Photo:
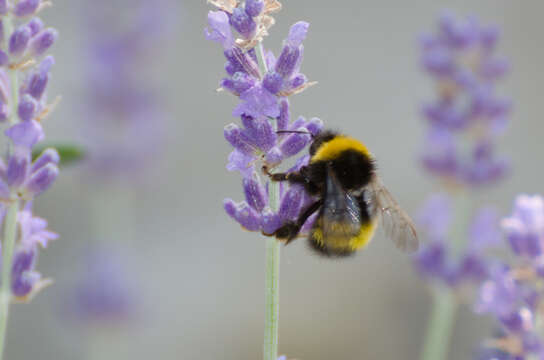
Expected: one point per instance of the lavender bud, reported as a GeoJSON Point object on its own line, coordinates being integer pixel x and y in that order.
{"type": "Point", "coordinates": [25, 134]}
{"type": "Point", "coordinates": [291, 203]}
{"type": "Point", "coordinates": [314, 126]}
{"type": "Point", "coordinates": [255, 193]}
{"type": "Point", "coordinates": [273, 82]}
{"type": "Point", "coordinates": [243, 23]}
{"type": "Point", "coordinates": [26, 108]}
{"type": "Point", "coordinates": [297, 33]}
{"type": "Point", "coordinates": [233, 134]}
{"type": "Point", "coordinates": [26, 7]}
{"type": "Point", "coordinates": [42, 179]}
{"type": "Point", "coordinates": [243, 214]}
{"type": "Point", "coordinates": [46, 64]}
{"type": "Point", "coordinates": [283, 118]}
{"type": "Point", "coordinates": [18, 167]}
{"type": "Point", "coordinates": [3, 7]}
{"type": "Point", "coordinates": [294, 143]}
{"type": "Point", "coordinates": [18, 41]}
{"type": "Point", "coordinates": [274, 156]}
{"type": "Point", "coordinates": [288, 61]}
{"type": "Point", "coordinates": [254, 7]}
{"type": "Point", "coordinates": [40, 43]}
{"type": "Point", "coordinates": [519, 321]}
{"type": "Point", "coordinates": [37, 84]}
{"type": "Point", "coordinates": [35, 25]}
{"type": "Point", "coordinates": [270, 221]}
{"type": "Point", "coordinates": [49, 155]}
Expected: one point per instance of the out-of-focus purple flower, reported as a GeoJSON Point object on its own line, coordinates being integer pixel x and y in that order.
{"type": "Point", "coordinates": [460, 58]}
{"type": "Point", "coordinates": [525, 227]}
{"type": "Point", "coordinates": [512, 293]}
{"type": "Point", "coordinates": [484, 230]}
{"type": "Point", "coordinates": [435, 216]}
{"type": "Point", "coordinates": [103, 292]}
{"type": "Point", "coordinates": [123, 104]}
{"type": "Point", "coordinates": [498, 294]}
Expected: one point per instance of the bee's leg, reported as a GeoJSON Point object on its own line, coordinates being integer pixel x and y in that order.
{"type": "Point", "coordinates": [290, 229]}
{"type": "Point", "coordinates": [295, 177]}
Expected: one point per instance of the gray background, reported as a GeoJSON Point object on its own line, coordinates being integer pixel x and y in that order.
{"type": "Point", "coordinates": [198, 279]}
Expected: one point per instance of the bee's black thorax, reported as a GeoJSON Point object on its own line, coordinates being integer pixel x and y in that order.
{"type": "Point", "coordinates": [354, 169]}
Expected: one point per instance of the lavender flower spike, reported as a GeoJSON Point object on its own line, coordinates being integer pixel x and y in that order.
{"type": "Point", "coordinates": [262, 86]}
{"type": "Point", "coordinates": [464, 122]}
{"type": "Point", "coordinates": [460, 58]}
{"type": "Point", "coordinates": [24, 106]}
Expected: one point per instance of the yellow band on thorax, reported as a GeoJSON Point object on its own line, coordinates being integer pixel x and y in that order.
{"type": "Point", "coordinates": [331, 149]}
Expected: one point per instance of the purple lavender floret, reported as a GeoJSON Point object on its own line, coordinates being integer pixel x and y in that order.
{"type": "Point", "coordinates": [513, 293]}
{"type": "Point", "coordinates": [25, 280]}
{"type": "Point", "coordinates": [525, 227]}
{"type": "Point", "coordinates": [461, 60]}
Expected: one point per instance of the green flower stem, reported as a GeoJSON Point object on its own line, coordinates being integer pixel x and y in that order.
{"type": "Point", "coordinates": [442, 319]}
{"type": "Point", "coordinates": [272, 293]}
{"type": "Point", "coordinates": [10, 219]}
{"type": "Point", "coordinates": [439, 329]}
{"type": "Point", "coordinates": [10, 232]}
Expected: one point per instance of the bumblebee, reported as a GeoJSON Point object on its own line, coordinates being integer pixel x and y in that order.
{"type": "Point", "coordinates": [350, 199]}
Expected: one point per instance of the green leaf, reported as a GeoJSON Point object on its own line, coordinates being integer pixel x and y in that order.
{"type": "Point", "coordinates": [69, 153]}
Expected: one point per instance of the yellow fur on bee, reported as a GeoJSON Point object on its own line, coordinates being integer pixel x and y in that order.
{"type": "Point", "coordinates": [339, 243]}
{"type": "Point", "coordinates": [331, 149]}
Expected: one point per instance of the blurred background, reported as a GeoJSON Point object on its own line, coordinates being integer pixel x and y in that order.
{"type": "Point", "coordinates": [141, 223]}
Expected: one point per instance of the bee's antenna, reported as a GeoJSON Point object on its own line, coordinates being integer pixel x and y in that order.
{"type": "Point", "coordinates": [294, 132]}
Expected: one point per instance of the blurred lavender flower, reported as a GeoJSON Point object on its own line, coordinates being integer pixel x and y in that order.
{"type": "Point", "coordinates": [123, 99]}
{"type": "Point", "coordinates": [437, 261]}
{"type": "Point", "coordinates": [513, 292]}
{"type": "Point", "coordinates": [103, 293]}
{"type": "Point", "coordinates": [464, 121]}
{"type": "Point", "coordinates": [460, 58]}
{"type": "Point", "coordinates": [467, 114]}
{"type": "Point", "coordinates": [263, 109]}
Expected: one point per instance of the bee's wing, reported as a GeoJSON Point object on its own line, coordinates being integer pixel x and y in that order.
{"type": "Point", "coordinates": [341, 215]}
{"type": "Point", "coordinates": [396, 223]}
